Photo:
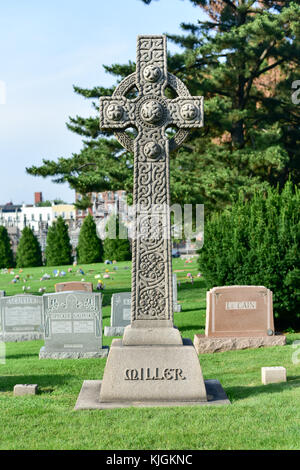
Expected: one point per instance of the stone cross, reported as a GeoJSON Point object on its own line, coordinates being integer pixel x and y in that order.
{"type": "Point", "coordinates": [151, 113]}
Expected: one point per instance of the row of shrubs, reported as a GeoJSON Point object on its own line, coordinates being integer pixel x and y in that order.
{"type": "Point", "coordinates": [58, 251]}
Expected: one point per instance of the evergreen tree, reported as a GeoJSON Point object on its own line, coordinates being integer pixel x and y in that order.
{"type": "Point", "coordinates": [6, 253]}
{"type": "Point", "coordinates": [90, 247]}
{"type": "Point", "coordinates": [250, 139]}
{"type": "Point", "coordinates": [29, 252]}
{"type": "Point", "coordinates": [116, 244]}
{"type": "Point", "coordinates": [58, 248]}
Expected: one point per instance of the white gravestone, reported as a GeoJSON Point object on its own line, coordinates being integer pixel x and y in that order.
{"type": "Point", "coordinates": [73, 326]}
{"type": "Point", "coordinates": [21, 318]}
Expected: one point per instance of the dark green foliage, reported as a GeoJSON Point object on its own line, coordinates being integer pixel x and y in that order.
{"type": "Point", "coordinates": [116, 244]}
{"type": "Point", "coordinates": [90, 247]}
{"type": "Point", "coordinates": [6, 253]}
{"type": "Point", "coordinates": [58, 249]}
{"type": "Point", "coordinates": [243, 60]}
{"type": "Point", "coordinates": [29, 252]}
{"type": "Point", "coordinates": [258, 243]}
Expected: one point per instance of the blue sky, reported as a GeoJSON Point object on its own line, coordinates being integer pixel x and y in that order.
{"type": "Point", "coordinates": [45, 48]}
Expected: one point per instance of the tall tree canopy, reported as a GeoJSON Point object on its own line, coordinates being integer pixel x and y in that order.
{"type": "Point", "coordinates": [243, 59]}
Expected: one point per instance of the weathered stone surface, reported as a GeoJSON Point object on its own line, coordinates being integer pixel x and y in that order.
{"type": "Point", "coordinates": [151, 113]}
{"type": "Point", "coordinates": [21, 318]}
{"type": "Point", "coordinates": [204, 344]}
{"type": "Point", "coordinates": [239, 311]}
{"type": "Point", "coordinates": [72, 354]}
{"type": "Point", "coordinates": [25, 389]}
{"type": "Point", "coordinates": [120, 314]}
{"type": "Point", "coordinates": [114, 330]}
{"type": "Point", "coordinates": [143, 373]}
{"type": "Point", "coordinates": [74, 286]}
{"type": "Point", "coordinates": [17, 337]}
{"type": "Point", "coordinates": [151, 363]}
{"type": "Point", "coordinates": [73, 325]}
{"type": "Point", "coordinates": [176, 305]}
{"type": "Point", "coordinates": [271, 375]}
{"type": "Point", "coordinates": [88, 398]}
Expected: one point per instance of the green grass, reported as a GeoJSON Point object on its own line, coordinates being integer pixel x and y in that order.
{"type": "Point", "coordinates": [260, 416]}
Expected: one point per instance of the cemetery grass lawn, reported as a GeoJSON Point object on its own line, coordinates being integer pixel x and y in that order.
{"type": "Point", "coordinates": [259, 417]}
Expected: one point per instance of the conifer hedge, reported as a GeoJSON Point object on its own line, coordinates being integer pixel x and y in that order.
{"type": "Point", "coordinates": [29, 252]}
{"type": "Point", "coordinates": [6, 253]}
{"type": "Point", "coordinates": [258, 243]}
{"type": "Point", "coordinates": [116, 246]}
{"type": "Point", "coordinates": [58, 247]}
{"type": "Point", "coordinates": [90, 247]}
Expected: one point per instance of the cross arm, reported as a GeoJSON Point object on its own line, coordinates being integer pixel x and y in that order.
{"type": "Point", "coordinates": [116, 113]}
{"type": "Point", "coordinates": [186, 112]}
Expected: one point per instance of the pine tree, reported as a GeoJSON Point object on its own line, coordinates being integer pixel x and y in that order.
{"type": "Point", "coordinates": [116, 246]}
{"type": "Point", "coordinates": [29, 252]}
{"type": "Point", "coordinates": [6, 253]}
{"type": "Point", "coordinates": [58, 248]}
{"type": "Point", "coordinates": [250, 138]}
{"type": "Point", "coordinates": [90, 247]}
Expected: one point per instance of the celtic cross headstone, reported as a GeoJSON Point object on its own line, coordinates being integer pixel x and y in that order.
{"type": "Point", "coordinates": [151, 113]}
{"type": "Point", "coordinates": [152, 364]}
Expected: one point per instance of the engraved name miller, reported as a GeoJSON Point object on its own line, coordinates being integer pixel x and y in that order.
{"type": "Point", "coordinates": [146, 373]}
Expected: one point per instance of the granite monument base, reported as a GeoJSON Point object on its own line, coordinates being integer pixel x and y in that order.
{"type": "Point", "coordinates": [156, 373]}
{"type": "Point", "coordinates": [44, 354]}
{"type": "Point", "coordinates": [206, 344]}
{"type": "Point", "coordinates": [17, 337]}
{"type": "Point", "coordinates": [88, 398]}
{"type": "Point", "coordinates": [114, 330]}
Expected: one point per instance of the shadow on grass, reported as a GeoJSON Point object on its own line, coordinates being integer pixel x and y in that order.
{"type": "Point", "coordinates": [191, 327]}
{"type": "Point", "coordinates": [186, 285]}
{"type": "Point", "coordinates": [239, 393]}
{"type": "Point", "coordinates": [22, 356]}
{"type": "Point", "coordinates": [191, 309]}
{"type": "Point", "coordinates": [46, 383]}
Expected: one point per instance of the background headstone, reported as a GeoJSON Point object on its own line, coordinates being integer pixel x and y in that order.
{"type": "Point", "coordinates": [121, 311]}
{"type": "Point", "coordinates": [73, 326]}
{"type": "Point", "coordinates": [239, 311]}
{"type": "Point", "coordinates": [2, 293]}
{"type": "Point", "coordinates": [238, 317]}
{"type": "Point", "coordinates": [74, 286]}
{"type": "Point", "coordinates": [176, 306]}
{"type": "Point", "coordinates": [21, 318]}
{"type": "Point", "coordinates": [120, 314]}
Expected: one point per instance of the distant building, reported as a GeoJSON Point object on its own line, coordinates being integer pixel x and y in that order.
{"type": "Point", "coordinates": [66, 211]}
{"type": "Point", "coordinates": [103, 205]}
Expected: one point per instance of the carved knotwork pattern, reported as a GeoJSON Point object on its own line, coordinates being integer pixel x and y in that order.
{"type": "Point", "coordinates": [151, 113]}
{"type": "Point", "coordinates": [152, 304]}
